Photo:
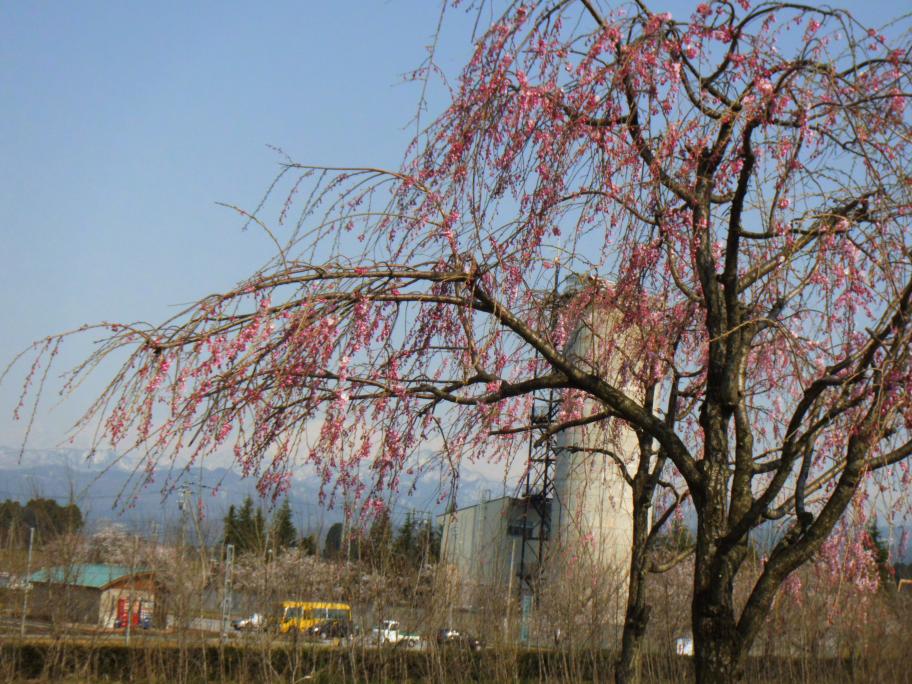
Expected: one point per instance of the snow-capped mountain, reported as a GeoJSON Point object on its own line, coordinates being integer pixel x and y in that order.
{"type": "Point", "coordinates": [109, 489]}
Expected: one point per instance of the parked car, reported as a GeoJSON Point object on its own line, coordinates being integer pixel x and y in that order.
{"type": "Point", "coordinates": [334, 628]}
{"type": "Point", "coordinates": [254, 621]}
{"type": "Point", "coordinates": [389, 633]}
{"type": "Point", "coordinates": [143, 622]}
{"type": "Point", "coordinates": [453, 638]}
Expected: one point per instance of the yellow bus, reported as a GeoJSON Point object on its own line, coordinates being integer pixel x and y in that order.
{"type": "Point", "coordinates": [302, 615]}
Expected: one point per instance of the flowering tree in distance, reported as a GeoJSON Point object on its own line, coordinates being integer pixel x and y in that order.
{"type": "Point", "coordinates": [732, 186]}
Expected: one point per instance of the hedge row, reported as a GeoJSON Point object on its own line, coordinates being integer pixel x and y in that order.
{"type": "Point", "coordinates": [159, 662]}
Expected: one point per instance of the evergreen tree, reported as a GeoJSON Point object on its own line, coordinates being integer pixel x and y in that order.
{"type": "Point", "coordinates": [49, 519]}
{"type": "Point", "coordinates": [230, 532]}
{"type": "Point", "coordinates": [379, 540]}
{"type": "Point", "coordinates": [333, 546]}
{"type": "Point", "coordinates": [407, 546]}
{"type": "Point", "coordinates": [433, 534]}
{"type": "Point", "coordinates": [678, 537]}
{"type": "Point", "coordinates": [284, 533]}
{"type": "Point", "coordinates": [260, 540]}
{"type": "Point", "coordinates": [875, 543]}
{"type": "Point", "coordinates": [245, 528]}
{"type": "Point", "coordinates": [308, 545]}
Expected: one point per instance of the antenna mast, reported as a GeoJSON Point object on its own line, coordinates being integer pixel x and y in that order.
{"type": "Point", "coordinates": [538, 487]}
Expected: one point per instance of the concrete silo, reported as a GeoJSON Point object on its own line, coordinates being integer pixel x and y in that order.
{"type": "Point", "coordinates": [592, 508]}
{"type": "Point", "coordinates": [566, 540]}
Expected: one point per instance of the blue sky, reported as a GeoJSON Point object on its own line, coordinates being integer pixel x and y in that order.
{"type": "Point", "coordinates": [124, 123]}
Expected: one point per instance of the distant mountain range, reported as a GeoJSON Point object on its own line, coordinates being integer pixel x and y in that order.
{"type": "Point", "coordinates": [107, 490]}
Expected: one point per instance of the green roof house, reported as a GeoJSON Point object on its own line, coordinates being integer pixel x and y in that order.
{"type": "Point", "coordinates": [102, 594]}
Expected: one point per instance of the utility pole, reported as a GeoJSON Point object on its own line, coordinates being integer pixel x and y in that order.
{"type": "Point", "coordinates": [428, 531]}
{"type": "Point", "coordinates": [267, 558]}
{"type": "Point", "coordinates": [185, 504]}
{"type": "Point", "coordinates": [182, 507]}
{"type": "Point", "coordinates": [130, 596]}
{"type": "Point", "coordinates": [28, 583]}
{"type": "Point", "coordinates": [346, 530]}
{"type": "Point", "coordinates": [454, 528]}
{"type": "Point", "coordinates": [226, 599]}
{"type": "Point", "coordinates": [510, 590]}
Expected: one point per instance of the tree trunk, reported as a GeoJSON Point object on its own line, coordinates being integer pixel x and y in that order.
{"type": "Point", "coordinates": [717, 646]}
{"type": "Point", "coordinates": [717, 642]}
{"type": "Point", "coordinates": [626, 668]}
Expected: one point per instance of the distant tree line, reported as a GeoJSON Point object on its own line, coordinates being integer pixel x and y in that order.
{"type": "Point", "coordinates": [248, 530]}
{"type": "Point", "coordinates": [414, 544]}
{"type": "Point", "coordinates": [49, 519]}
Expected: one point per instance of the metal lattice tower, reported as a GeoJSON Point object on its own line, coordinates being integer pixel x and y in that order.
{"type": "Point", "coordinates": [538, 483]}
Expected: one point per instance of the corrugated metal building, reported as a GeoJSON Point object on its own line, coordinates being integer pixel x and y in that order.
{"type": "Point", "coordinates": [483, 545]}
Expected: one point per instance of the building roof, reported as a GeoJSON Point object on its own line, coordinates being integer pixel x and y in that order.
{"type": "Point", "coordinates": [95, 575]}
{"type": "Point", "coordinates": [483, 502]}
